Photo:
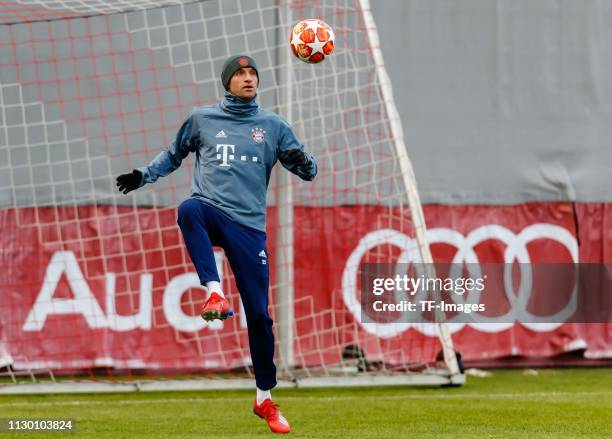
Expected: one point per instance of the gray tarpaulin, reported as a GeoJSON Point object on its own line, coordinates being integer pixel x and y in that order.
{"type": "Point", "coordinates": [503, 101]}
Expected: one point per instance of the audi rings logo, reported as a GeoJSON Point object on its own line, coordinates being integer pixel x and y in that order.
{"type": "Point", "coordinates": [515, 251]}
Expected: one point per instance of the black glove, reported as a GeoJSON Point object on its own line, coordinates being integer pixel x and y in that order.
{"type": "Point", "coordinates": [298, 157]}
{"type": "Point", "coordinates": [128, 182]}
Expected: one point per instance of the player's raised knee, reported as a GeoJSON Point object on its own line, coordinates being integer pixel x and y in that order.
{"type": "Point", "coordinates": [186, 212]}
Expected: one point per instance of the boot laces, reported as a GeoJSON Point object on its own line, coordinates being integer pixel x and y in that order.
{"type": "Point", "coordinates": [269, 408]}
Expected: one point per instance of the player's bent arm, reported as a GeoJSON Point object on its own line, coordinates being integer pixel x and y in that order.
{"type": "Point", "coordinates": [170, 158]}
{"type": "Point", "coordinates": [293, 156]}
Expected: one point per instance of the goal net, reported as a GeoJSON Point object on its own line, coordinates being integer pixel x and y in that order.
{"type": "Point", "coordinates": [97, 286]}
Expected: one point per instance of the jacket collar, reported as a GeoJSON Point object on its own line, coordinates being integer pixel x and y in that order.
{"type": "Point", "coordinates": [238, 106]}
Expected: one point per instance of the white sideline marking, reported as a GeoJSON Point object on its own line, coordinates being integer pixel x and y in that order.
{"type": "Point", "coordinates": [527, 395]}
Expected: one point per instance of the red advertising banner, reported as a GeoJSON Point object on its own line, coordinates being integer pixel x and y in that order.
{"type": "Point", "coordinates": [111, 286]}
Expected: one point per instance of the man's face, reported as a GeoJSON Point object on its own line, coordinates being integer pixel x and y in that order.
{"type": "Point", "coordinates": [244, 83]}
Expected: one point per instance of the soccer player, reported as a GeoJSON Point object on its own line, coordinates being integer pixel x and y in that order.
{"type": "Point", "coordinates": [236, 144]}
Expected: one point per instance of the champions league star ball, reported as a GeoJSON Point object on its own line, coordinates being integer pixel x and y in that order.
{"type": "Point", "coordinates": [312, 40]}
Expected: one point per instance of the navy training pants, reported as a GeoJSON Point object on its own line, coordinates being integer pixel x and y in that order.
{"type": "Point", "coordinates": [203, 227]}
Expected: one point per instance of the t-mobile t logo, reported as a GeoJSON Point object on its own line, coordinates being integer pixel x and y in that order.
{"type": "Point", "coordinates": [227, 153]}
{"type": "Point", "coordinates": [224, 156]}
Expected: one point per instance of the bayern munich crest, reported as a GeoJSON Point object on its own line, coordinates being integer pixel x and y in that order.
{"type": "Point", "coordinates": [258, 135]}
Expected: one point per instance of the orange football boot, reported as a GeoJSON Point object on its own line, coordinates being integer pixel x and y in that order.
{"type": "Point", "coordinates": [216, 307]}
{"type": "Point", "coordinates": [270, 412]}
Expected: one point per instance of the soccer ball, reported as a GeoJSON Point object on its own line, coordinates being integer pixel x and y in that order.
{"type": "Point", "coordinates": [312, 40]}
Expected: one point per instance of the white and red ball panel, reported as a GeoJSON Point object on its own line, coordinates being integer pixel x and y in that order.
{"type": "Point", "coordinates": [312, 40]}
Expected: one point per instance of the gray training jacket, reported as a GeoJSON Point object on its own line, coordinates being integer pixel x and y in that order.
{"type": "Point", "coordinates": [236, 145]}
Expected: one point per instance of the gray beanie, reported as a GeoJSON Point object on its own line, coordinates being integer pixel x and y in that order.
{"type": "Point", "coordinates": [233, 64]}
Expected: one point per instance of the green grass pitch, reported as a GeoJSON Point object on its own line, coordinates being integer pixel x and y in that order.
{"type": "Point", "coordinates": [555, 403]}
